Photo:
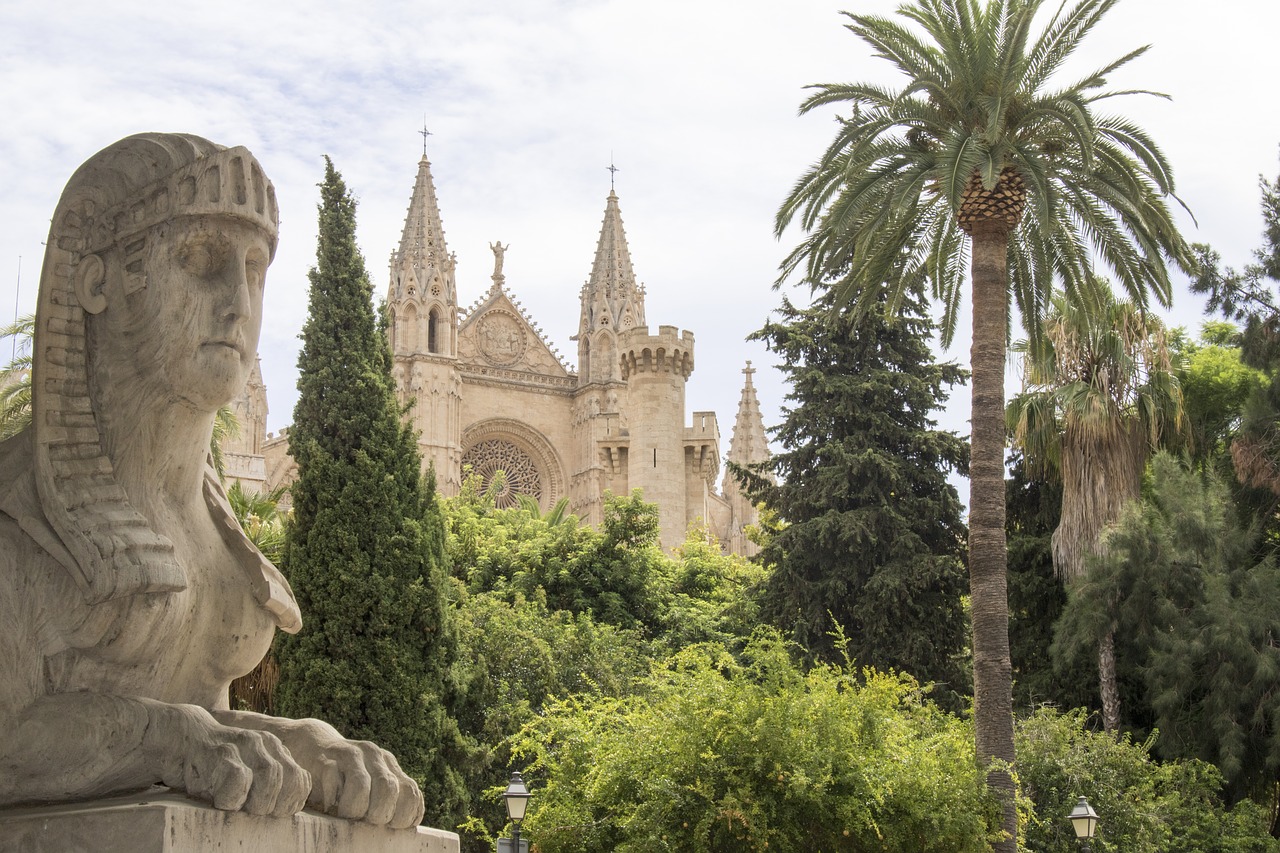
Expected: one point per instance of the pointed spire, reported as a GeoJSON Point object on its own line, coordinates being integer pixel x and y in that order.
{"type": "Point", "coordinates": [612, 298]}
{"type": "Point", "coordinates": [749, 445]}
{"type": "Point", "coordinates": [423, 253]}
{"type": "Point", "coordinates": [749, 442]}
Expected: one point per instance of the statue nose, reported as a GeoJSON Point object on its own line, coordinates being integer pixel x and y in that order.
{"type": "Point", "coordinates": [240, 304]}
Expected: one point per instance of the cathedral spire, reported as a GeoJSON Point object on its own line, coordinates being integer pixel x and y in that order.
{"type": "Point", "coordinates": [423, 294]}
{"type": "Point", "coordinates": [612, 299]}
{"type": "Point", "coordinates": [423, 256]}
{"type": "Point", "coordinates": [749, 443]}
{"type": "Point", "coordinates": [748, 446]}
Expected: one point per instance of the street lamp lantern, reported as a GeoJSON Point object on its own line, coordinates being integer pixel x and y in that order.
{"type": "Point", "coordinates": [1085, 822]}
{"type": "Point", "coordinates": [516, 798]}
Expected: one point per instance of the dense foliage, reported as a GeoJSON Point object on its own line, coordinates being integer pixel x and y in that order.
{"type": "Point", "coordinates": [1197, 601]}
{"type": "Point", "coordinates": [873, 542]}
{"type": "Point", "coordinates": [720, 753]}
{"type": "Point", "coordinates": [1037, 597]}
{"type": "Point", "coordinates": [548, 609]}
{"type": "Point", "coordinates": [365, 550]}
{"type": "Point", "coordinates": [1142, 804]}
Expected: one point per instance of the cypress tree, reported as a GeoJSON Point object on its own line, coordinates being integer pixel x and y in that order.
{"type": "Point", "coordinates": [365, 551]}
{"type": "Point", "coordinates": [874, 539]}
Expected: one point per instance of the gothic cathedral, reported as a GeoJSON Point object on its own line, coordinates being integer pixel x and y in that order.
{"type": "Point", "coordinates": [487, 393]}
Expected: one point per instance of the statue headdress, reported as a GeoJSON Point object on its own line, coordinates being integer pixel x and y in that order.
{"type": "Point", "coordinates": [113, 200]}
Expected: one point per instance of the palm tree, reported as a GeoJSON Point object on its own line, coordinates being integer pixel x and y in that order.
{"type": "Point", "coordinates": [260, 516]}
{"type": "Point", "coordinates": [1099, 392]}
{"type": "Point", "coordinates": [226, 426]}
{"type": "Point", "coordinates": [978, 151]}
{"type": "Point", "coordinates": [15, 378]}
{"type": "Point", "coordinates": [557, 515]}
{"type": "Point", "coordinates": [264, 523]}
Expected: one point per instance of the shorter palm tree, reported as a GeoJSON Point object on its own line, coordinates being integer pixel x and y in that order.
{"type": "Point", "coordinates": [264, 524]}
{"type": "Point", "coordinates": [15, 378]}
{"type": "Point", "coordinates": [261, 518]}
{"type": "Point", "coordinates": [1099, 394]}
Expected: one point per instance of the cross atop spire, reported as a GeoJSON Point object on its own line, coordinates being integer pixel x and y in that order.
{"type": "Point", "coordinates": [425, 133]}
{"type": "Point", "coordinates": [613, 171]}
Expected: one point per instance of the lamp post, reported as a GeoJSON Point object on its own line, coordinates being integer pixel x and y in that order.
{"type": "Point", "coordinates": [1085, 822]}
{"type": "Point", "coordinates": [516, 798]}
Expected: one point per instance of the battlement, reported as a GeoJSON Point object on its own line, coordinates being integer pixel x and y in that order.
{"type": "Point", "coordinates": [705, 425]}
{"type": "Point", "coordinates": [669, 351]}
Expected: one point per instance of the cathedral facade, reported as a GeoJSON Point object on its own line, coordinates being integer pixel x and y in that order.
{"type": "Point", "coordinates": [488, 393]}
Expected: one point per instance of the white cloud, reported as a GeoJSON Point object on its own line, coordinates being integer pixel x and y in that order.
{"type": "Point", "coordinates": [528, 100]}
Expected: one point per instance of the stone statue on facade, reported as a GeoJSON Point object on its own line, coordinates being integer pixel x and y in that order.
{"type": "Point", "coordinates": [499, 255]}
{"type": "Point", "coordinates": [129, 597]}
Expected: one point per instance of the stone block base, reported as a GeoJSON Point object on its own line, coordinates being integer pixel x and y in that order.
{"type": "Point", "coordinates": [159, 821]}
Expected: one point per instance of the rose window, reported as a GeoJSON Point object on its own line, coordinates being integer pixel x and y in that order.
{"type": "Point", "coordinates": [490, 456]}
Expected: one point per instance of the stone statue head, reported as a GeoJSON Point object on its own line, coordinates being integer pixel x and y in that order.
{"type": "Point", "coordinates": [116, 213]}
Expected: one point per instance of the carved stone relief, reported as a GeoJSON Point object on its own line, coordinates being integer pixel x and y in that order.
{"type": "Point", "coordinates": [503, 339]}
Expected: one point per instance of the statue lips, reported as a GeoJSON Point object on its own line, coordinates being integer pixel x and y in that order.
{"type": "Point", "coordinates": [234, 343]}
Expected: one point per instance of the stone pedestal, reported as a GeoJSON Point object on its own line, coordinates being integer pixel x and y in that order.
{"type": "Point", "coordinates": [162, 822]}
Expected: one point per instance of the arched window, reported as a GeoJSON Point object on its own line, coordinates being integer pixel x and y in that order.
{"type": "Point", "coordinates": [433, 331]}
{"type": "Point", "coordinates": [409, 339]}
{"type": "Point", "coordinates": [605, 354]}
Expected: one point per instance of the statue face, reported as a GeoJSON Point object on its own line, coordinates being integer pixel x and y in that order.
{"type": "Point", "coordinates": [192, 332]}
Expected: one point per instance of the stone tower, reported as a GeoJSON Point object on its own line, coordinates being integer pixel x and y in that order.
{"type": "Point", "coordinates": [748, 446]}
{"type": "Point", "coordinates": [423, 305]}
{"type": "Point", "coordinates": [656, 368]}
{"type": "Point", "coordinates": [612, 302]}
{"type": "Point", "coordinates": [242, 453]}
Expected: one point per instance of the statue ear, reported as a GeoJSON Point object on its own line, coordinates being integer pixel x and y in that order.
{"type": "Point", "coordinates": [90, 277]}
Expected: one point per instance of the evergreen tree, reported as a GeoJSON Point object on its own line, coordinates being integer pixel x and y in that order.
{"type": "Point", "coordinates": [1198, 602]}
{"type": "Point", "coordinates": [873, 545]}
{"type": "Point", "coordinates": [365, 551]}
{"type": "Point", "coordinates": [1249, 296]}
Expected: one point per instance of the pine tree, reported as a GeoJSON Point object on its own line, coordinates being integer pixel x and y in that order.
{"type": "Point", "coordinates": [365, 551]}
{"type": "Point", "coordinates": [873, 540]}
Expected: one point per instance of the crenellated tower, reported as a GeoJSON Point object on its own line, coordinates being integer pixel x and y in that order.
{"type": "Point", "coordinates": [656, 369]}
{"type": "Point", "coordinates": [422, 301]}
{"type": "Point", "coordinates": [242, 455]}
{"type": "Point", "coordinates": [748, 446]}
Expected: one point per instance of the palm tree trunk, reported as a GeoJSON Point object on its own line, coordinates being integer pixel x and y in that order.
{"type": "Point", "coordinates": [1107, 684]}
{"type": "Point", "coordinates": [992, 668]}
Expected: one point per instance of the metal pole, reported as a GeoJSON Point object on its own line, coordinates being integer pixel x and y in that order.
{"type": "Point", "coordinates": [515, 837]}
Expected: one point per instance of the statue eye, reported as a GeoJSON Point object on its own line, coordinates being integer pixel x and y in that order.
{"type": "Point", "coordinates": [255, 270]}
{"type": "Point", "coordinates": [200, 258]}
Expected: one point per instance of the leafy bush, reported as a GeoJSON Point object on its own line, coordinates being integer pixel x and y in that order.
{"type": "Point", "coordinates": [720, 753]}
{"type": "Point", "coordinates": [1143, 806]}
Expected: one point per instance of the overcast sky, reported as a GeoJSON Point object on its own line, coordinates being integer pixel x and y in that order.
{"type": "Point", "coordinates": [528, 101]}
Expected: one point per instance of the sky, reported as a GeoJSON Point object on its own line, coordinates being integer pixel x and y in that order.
{"type": "Point", "coordinates": [529, 102]}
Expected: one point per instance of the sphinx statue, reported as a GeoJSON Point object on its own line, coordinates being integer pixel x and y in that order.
{"type": "Point", "coordinates": [129, 597]}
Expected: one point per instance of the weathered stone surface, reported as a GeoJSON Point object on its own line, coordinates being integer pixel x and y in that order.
{"type": "Point", "coordinates": [129, 595]}
{"type": "Point", "coordinates": [163, 822]}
